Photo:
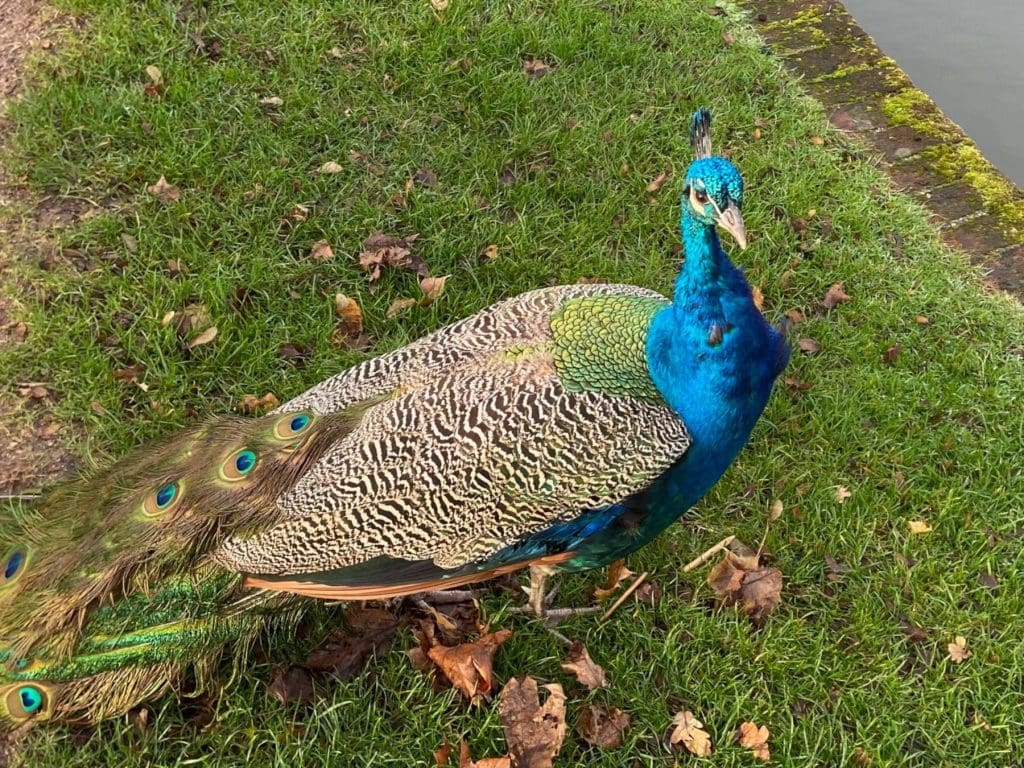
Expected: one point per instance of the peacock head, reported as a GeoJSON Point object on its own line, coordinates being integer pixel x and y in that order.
{"type": "Point", "coordinates": [713, 193]}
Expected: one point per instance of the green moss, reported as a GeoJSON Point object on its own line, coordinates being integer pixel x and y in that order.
{"type": "Point", "coordinates": [965, 162]}
{"type": "Point", "coordinates": [914, 108]}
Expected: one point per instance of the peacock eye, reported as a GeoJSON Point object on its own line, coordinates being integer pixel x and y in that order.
{"type": "Point", "coordinates": [238, 465]}
{"type": "Point", "coordinates": [702, 197]}
{"type": "Point", "coordinates": [13, 566]}
{"type": "Point", "coordinates": [26, 701]}
{"type": "Point", "coordinates": [292, 425]}
{"type": "Point", "coordinates": [162, 500]}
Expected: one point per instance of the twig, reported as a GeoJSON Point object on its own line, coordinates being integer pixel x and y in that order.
{"type": "Point", "coordinates": [18, 496]}
{"type": "Point", "coordinates": [703, 558]}
{"type": "Point", "coordinates": [622, 598]}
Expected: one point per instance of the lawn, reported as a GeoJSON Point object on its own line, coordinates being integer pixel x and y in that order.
{"type": "Point", "coordinates": [911, 401]}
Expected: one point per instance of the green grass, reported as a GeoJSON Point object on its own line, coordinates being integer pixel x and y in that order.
{"type": "Point", "coordinates": [935, 435]}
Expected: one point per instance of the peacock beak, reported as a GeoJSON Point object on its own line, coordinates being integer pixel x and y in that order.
{"type": "Point", "coordinates": [731, 220]}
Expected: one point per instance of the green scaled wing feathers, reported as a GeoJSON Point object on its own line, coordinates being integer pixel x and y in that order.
{"type": "Point", "coordinates": [108, 593]}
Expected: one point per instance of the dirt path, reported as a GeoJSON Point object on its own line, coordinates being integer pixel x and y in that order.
{"type": "Point", "coordinates": [33, 444]}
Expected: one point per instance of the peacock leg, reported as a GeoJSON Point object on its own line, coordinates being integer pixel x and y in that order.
{"type": "Point", "coordinates": [538, 575]}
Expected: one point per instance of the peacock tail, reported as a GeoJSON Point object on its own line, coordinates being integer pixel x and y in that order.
{"type": "Point", "coordinates": [567, 426]}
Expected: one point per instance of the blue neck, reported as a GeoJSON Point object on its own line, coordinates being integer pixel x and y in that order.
{"type": "Point", "coordinates": [718, 387]}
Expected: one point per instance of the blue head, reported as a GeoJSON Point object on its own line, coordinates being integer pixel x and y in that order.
{"type": "Point", "coordinates": [713, 194]}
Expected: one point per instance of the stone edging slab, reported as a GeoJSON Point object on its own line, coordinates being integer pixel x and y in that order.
{"type": "Point", "coordinates": [977, 208]}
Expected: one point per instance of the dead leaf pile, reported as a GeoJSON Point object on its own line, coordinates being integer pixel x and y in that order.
{"type": "Point", "coordinates": [741, 579]}
{"type": "Point", "coordinates": [380, 251]}
{"type": "Point", "coordinates": [344, 654]}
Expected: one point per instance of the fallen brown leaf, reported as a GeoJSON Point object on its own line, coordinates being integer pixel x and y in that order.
{"type": "Point", "coordinates": [755, 738]}
{"type": "Point", "coordinates": [861, 758]}
{"type": "Point", "coordinates": [469, 666]}
{"type": "Point", "coordinates": [922, 320]}
{"type": "Point", "coordinates": [817, 140]}
{"type": "Point", "coordinates": [293, 352]}
{"type": "Point", "coordinates": [617, 573]}
{"type": "Point", "coordinates": [657, 184]}
{"type": "Point", "coordinates": [891, 355]}
{"type": "Point", "coordinates": [741, 579]}
{"type": "Point", "coordinates": [432, 287]}
{"type": "Point", "coordinates": [689, 732]}
{"type": "Point", "coordinates": [154, 74]}
{"type": "Point", "coordinates": [758, 297]}
{"type": "Point", "coordinates": [584, 668]}
{"type": "Point", "coordinates": [321, 251]}
{"type": "Point", "coordinates": [465, 761]}
{"type": "Point", "coordinates": [272, 102]}
{"type": "Point", "coordinates": [810, 346]}
{"type": "Point", "coordinates": [534, 733]}
{"type": "Point", "coordinates": [344, 654]}
{"type": "Point", "coordinates": [535, 67]}
{"type": "Point", "coordinates": [602, 728]}
{"type": "Point", "coordinates": [775, 512]}
{"type": "Point", "coordinates": [489, 253]}
{"type": "Point", "coordinates": [204, 338]}
{"type": "Point", "coordinates": [398, 306]}
{"type": "Point", "coordinates": [917, 527]}
{"type": "Point", "coordinates": [292, 685]}
{"type": "Point", "coordinates": [842, 494]}
{"type": "Point", "coordinates": [253, 404]}
{"type": "Point", "coordinates": [164, 191]}
{"type": "Point", "coordinates": [958, 650]}
{"type": "Point", "coordinates": [350, 313]}
{"type": "Point", "coordinates": [835, 296]}
{"type": "Point", "coordinates": [330, 167]}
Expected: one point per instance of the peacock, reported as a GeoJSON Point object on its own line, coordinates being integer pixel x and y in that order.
{"type": "Point", "coordinates": [561, 429]}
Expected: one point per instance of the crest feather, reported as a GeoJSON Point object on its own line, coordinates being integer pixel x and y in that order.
{"type": "Point", "coordinates": [700, 132]}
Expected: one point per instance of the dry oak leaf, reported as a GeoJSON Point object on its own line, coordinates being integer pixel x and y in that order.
{"type": "Point", "coordinates": [740, 579]}
{"type": "Point", "coordinates": [690, 733]}
{"type": "Point", "coordinates": [330, 167]}
{"type": "Point", "coordinates": [835, 296]}
{"type": "Point", "coordinates": [843, 493]}
{"type": "Point", "coordinates": [958, 650]}
{"type": "Point", "coordinates": [584, 668]}
{"type": "Point", "coordinates": [466, 761]}
{"type": "Point", "coordinates": [602, 728]}
{"type": "Point", "coordinates": [918, 527]}
{"type": "Point", "coordinates": [533, 732]}
{"type": "Point", "coordinates": [432, 287]}
{"type": "Point", "coordinates": [164, 191]}
{"type": "Point", "coordinates": [755, 738]}
{"type": "Point", "coordinates": [617, 573]}
{"type": "Point", "coordinates": [470, 666]}
{"type": "Point", "coordinates": [321, 251]}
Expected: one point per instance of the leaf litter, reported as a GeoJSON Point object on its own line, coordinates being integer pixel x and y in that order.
{"type": "Point", "coordinates": [587, 672]}
{"type": "Point", "coordinates": [689, 733]}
